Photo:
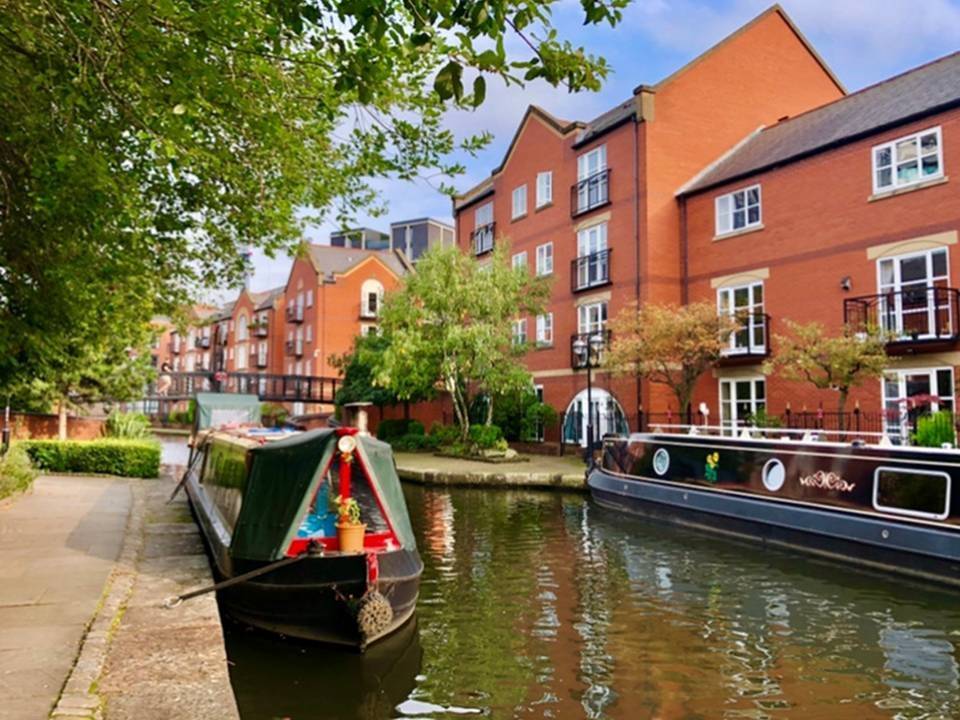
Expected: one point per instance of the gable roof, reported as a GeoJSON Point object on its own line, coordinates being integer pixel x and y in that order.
{"type": "Point", "coordinates": [264, 299]}
{"type": "Point", "coordinates": [329, 260]}
{"type": "Point", "coordinates": [912, 95]}
{"type": "Point", "coordinates": [627, 110]}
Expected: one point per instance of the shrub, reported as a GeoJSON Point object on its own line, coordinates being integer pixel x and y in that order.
{"type": "Point", "coordinates": [16, 471]}
{"type": "Point", "coordinates": [935, 430]}
{"type": "Point", "coordinates": [273, 414]}
{"type": "Point", "coordinates": [390, 430]}
{"type": "Point", "coordinates": [131, 425]}
{"type": "Point", "coordinates": [487, 437]}
{"type": "Point", "coordinates": [414, 443]}
{"type": "Point", "coordinates": [444, 435]}
{"type": "Point", "coordinates": [109, 456]}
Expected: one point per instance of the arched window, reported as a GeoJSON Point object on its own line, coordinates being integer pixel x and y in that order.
{"type": "Point", "coordinates": [242, 327]}
{"type": "Point", "coordinates": [608, 417]}
{"type": "Point", "coordinates": [371, 298]}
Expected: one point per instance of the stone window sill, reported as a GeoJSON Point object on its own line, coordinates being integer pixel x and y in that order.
{"type": "Point", "coordinates": [545, 206]}
{"type": "Point", "coordinates": [910, 188]}
{"type": "Point", "coordinates": [518, 218]}
{"type": "Point", "coordinates": [738, 233]}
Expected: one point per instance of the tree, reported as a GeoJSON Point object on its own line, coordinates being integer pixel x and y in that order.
{"type": "Point", "coordinates": [839, 363]}
{"type": "Point", "coordinates": [147, 143]}
{"type": "Point", "coordinates": [359, 368]}
{"type": "Point", "coordinates": [669, 345]}
{"type": "Point", "coordinates": [450, 327]}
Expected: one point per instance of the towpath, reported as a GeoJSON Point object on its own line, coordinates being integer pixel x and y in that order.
{"type": "Point", "coordinates": [58, 546]}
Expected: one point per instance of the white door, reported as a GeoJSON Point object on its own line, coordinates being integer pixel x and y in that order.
{"type": "Point", "coordinates": [608, 417]}
{"type": "Point", "coordinates": [745, 304]}
{"type": "Point", "coordinates": [914, 302]}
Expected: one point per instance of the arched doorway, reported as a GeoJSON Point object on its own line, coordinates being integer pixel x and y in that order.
{"type": "Point", "coordinates": [608, 417]}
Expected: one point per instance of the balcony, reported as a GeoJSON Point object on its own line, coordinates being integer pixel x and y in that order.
{"type": "Point", "coordinates": [295, 313]}
{"type": "Point", "coordinates": [590, 193]}
{"type": "Point", "coordinates": [590, 271]}
{"type": "Point", "coordinates": [261, 331]}
{"type": "Point", "coordinates": [483, 238]}
{"type": "Point", "coordinates": [915, 319]}
{"type": "Point", "coordinates": [592, 359]}
{"type": "Point", "coordinates": [750, 343]}
{"type": "Point", "coordinates": [295, 348]}
{"type": "Point", "coordinates": [202, 342]}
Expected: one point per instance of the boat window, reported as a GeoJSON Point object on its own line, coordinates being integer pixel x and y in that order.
{"type": "Point", "coordinates": [920, 493]}
{"type": "Point", "coordinates": [774, 475]}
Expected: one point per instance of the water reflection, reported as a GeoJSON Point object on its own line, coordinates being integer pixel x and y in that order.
{"type": "Point", "coordinates": [542, 605]}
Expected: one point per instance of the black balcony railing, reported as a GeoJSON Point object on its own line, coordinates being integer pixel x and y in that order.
{"type": "Point", "coordinates": [590, 193]}
{"type": "Point", "coordinates": [295, 313]}
{"type": "Point", "coordinates": [292, 388]}
{"type": "Point", "coordinates": [589, 271]}
{"type": "Point", "coordinates": [202, 342]}
{"type": "Point", "coordinates": [295, 347]}
{"type": "Point", "coordinates": [750, 342]}
{"type": "Point", "coordinates": [482, 238]}
{"type": "Point", "coordinates": [910, 317]}
{"type": "Point", "coordinates": [262, 330]}
{"type": "Point", "coordinates": [589, 356]}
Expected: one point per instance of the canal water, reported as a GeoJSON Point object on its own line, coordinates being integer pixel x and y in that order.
{"type": "Point", "coordinates": [542, 605]}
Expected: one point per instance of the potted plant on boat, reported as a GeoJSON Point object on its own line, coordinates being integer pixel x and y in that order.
{"type": "Point", "coordinates": [349, 528]}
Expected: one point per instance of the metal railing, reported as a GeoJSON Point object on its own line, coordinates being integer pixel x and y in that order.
{"type": "Point", "coordinates": [590, 271]}
{"type": "Point", "coordinates": [590, 193]}
{"type": "Point", "coordinates": [202, 342]}
{"type": "Point", "coordinates": [295, 313]}
{"type": "Point", "coordinates": [262, 330]}
{"type": "Point", "coordinates": [910, 315]}
{"type": "Point", "coordinates": [482, 238]}
{"type": "Point", "coordinates": [293, 388]}
{"type": "Point", "coordinates": [295, 348]}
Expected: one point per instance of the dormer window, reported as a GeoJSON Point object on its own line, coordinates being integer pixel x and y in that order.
{"type": "Point", "coordinates": [738, 210]}
{"type": "Point", "coordinates": [907, 161]}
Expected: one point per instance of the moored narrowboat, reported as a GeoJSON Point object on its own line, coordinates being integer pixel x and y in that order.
{"type": "Point", "coordinates": [888, 507]}
{"type": "Point", "coordinates": [265, 501]}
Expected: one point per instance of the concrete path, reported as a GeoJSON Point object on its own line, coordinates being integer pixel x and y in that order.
{"type": "Point", "coordinates": [166, 663]}
{"type": "Point", "coordinates": [539, 471]}
{"type": "Point", "coordinates": [58, 545]}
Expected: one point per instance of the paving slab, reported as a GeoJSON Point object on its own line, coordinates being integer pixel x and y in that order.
{"type": "Point", "coordinates": [58, 546]}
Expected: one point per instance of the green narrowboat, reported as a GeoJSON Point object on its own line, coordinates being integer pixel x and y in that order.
{"type": "Point", "coordinates": [267, 502]}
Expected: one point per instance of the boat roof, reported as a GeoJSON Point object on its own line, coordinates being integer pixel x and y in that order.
{"type": "Point", "coordinates": [219, 409]}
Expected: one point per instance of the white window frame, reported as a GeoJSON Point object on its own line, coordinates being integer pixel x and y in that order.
{"type": "Point", "coordinates": [590, 325]}
{"type": "Point", "coordinates": [726, 305]}
{"type": "Point", "coordinates": [309, 333]}
{"type": "Point", "coordinates": [911, 513]}
{"type": "Point", "coordinates": [243, 331]}
{"type": "Point", "coordinates": [241, 356]}
{"type": "Point", "coordinates": [724, 218]}
{"type": "Point", "coordinates": [482, 217]}
{"type": "Point", "coordinates": [900, 429]}
{"type": "Point", "coordinates": [518, 202]}
{"type": "Point", "coordinates": [309, 298]}
{"type": "Point", "coordinates": [891, 146]}
{"type": "Point", "coordinates": [897, 287]}
{"type": "Point", "coordinates": [519, 260]}
{"type": "Point", "coordinates": [545, 259]}
{"type": "Point", "coordinates": [544, 188]}
{"type": "Point", "coordinates": [584, 162]}
{"type": "Point", "coordinates": [734, 422]}
{"type": "Point", "coordinates": [519, 333]}
{"type": "Point", "coordinates": [545, 329]}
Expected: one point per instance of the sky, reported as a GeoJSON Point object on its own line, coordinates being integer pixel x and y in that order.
{"type": "Point", "coordinates": [863, 42]}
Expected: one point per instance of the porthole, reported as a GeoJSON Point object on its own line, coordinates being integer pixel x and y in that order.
{"type": "Point", "coordinates": [774, 475]}
{"type": "Point", "coordinates": [661, 462]}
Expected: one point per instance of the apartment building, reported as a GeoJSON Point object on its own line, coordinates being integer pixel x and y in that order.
{"type": "Point", "coordinates": [844, 214]}
{"type": "Point", "coordinates": [413, 238]}
{"type": "Point", "coordinates": [593, 204]}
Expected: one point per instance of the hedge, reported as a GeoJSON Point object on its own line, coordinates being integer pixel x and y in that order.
{"type": "Point", "coordinates": [389, 430]}
{"type": "Point", "coordinates": [107, 456]}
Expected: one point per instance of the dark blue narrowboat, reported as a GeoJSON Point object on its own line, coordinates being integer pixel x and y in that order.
{"type": "Point", "coordinates": [894, 508]}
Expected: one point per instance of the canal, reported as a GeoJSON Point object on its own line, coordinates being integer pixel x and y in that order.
{"type": "Point", "coordinates": [541, 605]}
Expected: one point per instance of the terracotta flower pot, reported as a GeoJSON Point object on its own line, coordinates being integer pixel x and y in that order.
{"type": "Point", "coordinates": [351, 537]}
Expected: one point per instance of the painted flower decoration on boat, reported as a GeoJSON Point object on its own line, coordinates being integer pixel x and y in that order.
{"type": "Point", "coordinates": [710, 470]}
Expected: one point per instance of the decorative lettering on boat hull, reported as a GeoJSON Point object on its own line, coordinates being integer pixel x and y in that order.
{"type": "Point", "coordinates": [827, 481]}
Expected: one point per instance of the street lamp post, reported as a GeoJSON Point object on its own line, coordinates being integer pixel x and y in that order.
{"type": "Point", "coordinates": [588, 354]}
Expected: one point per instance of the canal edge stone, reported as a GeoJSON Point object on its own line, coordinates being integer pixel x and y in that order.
{"type": "Point", "coordinates": [79, 699]}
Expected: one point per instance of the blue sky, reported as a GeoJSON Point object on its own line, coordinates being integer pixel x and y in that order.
{"type": "Point", "coordinates": [863, 41]}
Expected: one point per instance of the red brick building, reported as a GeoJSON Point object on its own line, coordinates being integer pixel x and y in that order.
{"type": "Point", "coordinates": [842, 214]}
{"type": "Point", "coordinates": [593, 204]}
